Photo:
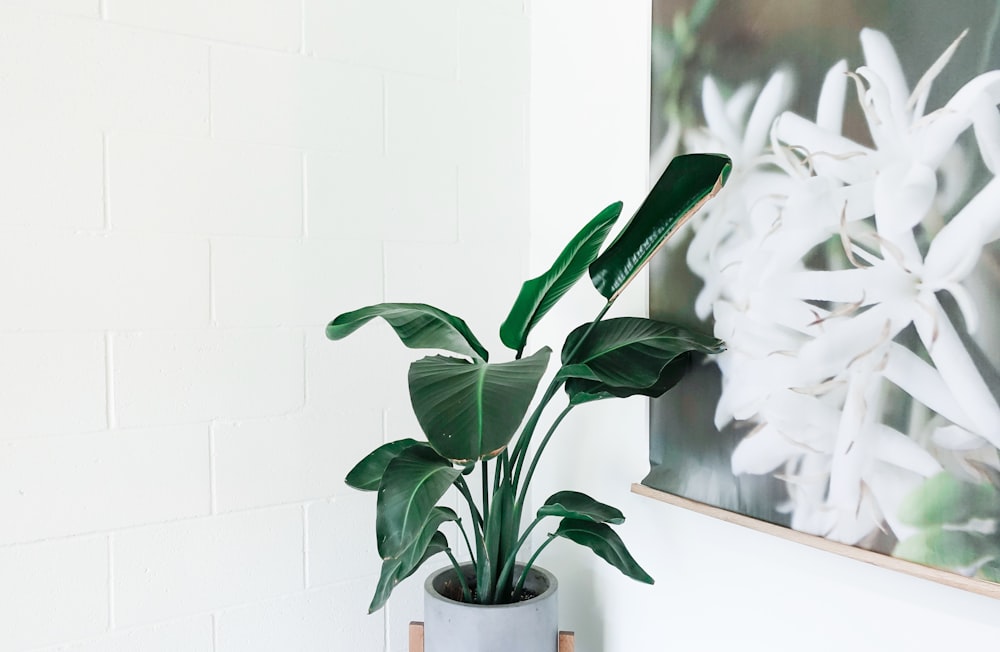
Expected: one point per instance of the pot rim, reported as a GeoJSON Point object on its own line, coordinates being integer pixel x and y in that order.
{"type": "Point", "coordinates": [553, 583]}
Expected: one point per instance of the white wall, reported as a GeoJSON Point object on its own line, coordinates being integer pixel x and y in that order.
{"type": "Point", "coordinates": [719, 586]}
{"type": "Point", "coordinates": [189, 191]}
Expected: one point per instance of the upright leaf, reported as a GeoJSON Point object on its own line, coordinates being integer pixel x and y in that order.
{"type": "Point", "coordinates": [418, 326]}
{"type": "Point", "coordinates": [602, 540]}
{"type": "Point", "coordinates": [395, 571]}
{"type": "Point", "coordinates": [538, 295]}
{"type": "Point", "coordinates": [412, 483]}
{"type": "Point", "coordinates": [367, 474]}
{"type": "Point", "coordinates": [628, 356]}
{"type": "Point", "coordinates": [470, 410]}
{"type": "Point", "coordinates": [688, 182]}
{"type": "Point", "coordinates": [573, 504]}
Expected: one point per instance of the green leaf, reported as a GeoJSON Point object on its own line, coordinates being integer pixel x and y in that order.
{"type": "Point", "coordinates": [538, 295]}
{"type": "Point", "coordinates": [602, 540]}
{"type": "Point", "coordinates": [990, 571]}
{"type": "Point", "coordinates": [501, 517]}
{"type": "Point", "coordinates": [418, 326]}
{"type": "Point", "coordinates": [411, 484]}
{"type": "Point", "coordinates": [367, 474]}
{"type": "Point", "coordinates": [951, 549]}
{"type": "Point", "coordinates": [573, 504]}
{"type": "Point", "coordinates": [581, 390]}
{"type": "Point", "coordinates": [470, 410]}
{"type": "Point", "coordinates": [688, 182]}
{"type": "Point", "coordinates": [395, 571]}
{"type": "Point", "coordinates": [944, 499]}
{"type": "Point", "coordinates": [628, 356]}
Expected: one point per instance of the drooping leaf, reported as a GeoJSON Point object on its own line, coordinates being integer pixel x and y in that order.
{"type": "Point", "coordinates": [418, 326]}
{"type": "Point", "coordinates": [688, 182]}
{"type": "Point", "coordinates": [538, 295]}
{"type": "Point", "coordinates": [951, 549]}
{"type": "Point", "coordinates": [628, 356]}
{"type": "Point", "coordinates": [600, 538]}
{"type": "Point", "coordinates": [367, 474]}
{"type": "Point", "coordinates": [944, 499]}
{"type": "Point", "coordinates": [394, 571]}
{"type": "Point", "coordinates": [575, 505]}
{"type": "Point", "coordinates": [412, 483]}
{"type": "Point", "coordinates": [582, 390]}
{"type": "Point", "coordinates": [412, 556]}
{"type": "Point", "coordinates": [470, 410]}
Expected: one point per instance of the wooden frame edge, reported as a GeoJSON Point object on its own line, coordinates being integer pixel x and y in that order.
{"type": "Point", "coordinates": [948, 578]}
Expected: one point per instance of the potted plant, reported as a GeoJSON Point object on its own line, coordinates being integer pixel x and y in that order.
{"type": "Point", "coordinates": [470, 410]}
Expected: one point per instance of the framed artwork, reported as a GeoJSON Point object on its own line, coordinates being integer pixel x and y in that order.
{"type": "Point", "coordinates": [851, 264]}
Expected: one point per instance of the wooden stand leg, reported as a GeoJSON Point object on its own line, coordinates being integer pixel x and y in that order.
{"type": "Point", "coordinates": [567, 640]}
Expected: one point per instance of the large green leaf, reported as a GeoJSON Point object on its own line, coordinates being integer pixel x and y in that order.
{"type": "Point", "coordinates": [944, 499]}
{"type": "Point", "coordinates": [395, 571]}
{"type": "Point", "coordinates": [411, 484]}
{"type": "Point", "coordinates": [602, 540]}
{"type": "Point", "coordinates": [470, 410]}
{"type": "Point", "coordinates": [367, 474]}
{"type": "Point", "coordinates": [418, 326]}
{"type": "Point", "coordinates": [630, 355]}
{"type": "Point", "coordinates": [688, 182]}
{"type": "Point", "coordinates": [582, 389]}
{"type": "Point", "coordinates": [573, 504]}
{"type": "Point", "coordinates": [538, 295]}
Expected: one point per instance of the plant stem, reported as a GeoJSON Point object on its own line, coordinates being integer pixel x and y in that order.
{"type": "Point", "coordinates": [586, 333]}
{"type": "Point", "coordinates": [508, 566]}
{"type": "Point", "coordinates": [519, 504]}
{"type": "Point", "coordinates": [502, 461]}
{"type": "Point", "coordinates": [486, 490]}
{"type": "Point", "coordinates": [464, 490]}
{"type": "Point", "coordinates": [468, 544]}
{"type": "Point", "coordinates": [466, 593]}
{"type": "Point", "coordinates": [528, 564]}
{"type": "Point", "coordinates": [520, 448]}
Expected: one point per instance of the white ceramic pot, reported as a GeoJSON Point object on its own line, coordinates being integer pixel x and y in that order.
{"type": "Point", "coordinates": [527, 626]}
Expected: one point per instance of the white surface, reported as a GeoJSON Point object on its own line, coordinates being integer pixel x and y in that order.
{"type": "Point", "coordinates": [192, 190]}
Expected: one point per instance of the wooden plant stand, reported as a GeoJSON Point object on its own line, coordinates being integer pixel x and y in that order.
{"type": "Point", "coordinates": [567, 640]}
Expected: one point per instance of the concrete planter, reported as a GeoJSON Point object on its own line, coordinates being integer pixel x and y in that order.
{"type": "Point", "coordinates": [528, 626]}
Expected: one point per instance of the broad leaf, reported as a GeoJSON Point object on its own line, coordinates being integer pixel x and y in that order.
{"type": "Point", "coordinates": [582, 390]}
{"type": "Point", "coordinates": [944, 499]}
{"type": "Point", "coordinates": [412, 483]}
{"type": "Point", "coordinates": [367, 474]}
{"type": "Point", "coordinates": [575, 505]}
{"type": "Point", "coordinates": [630, 355]}
{"type": "Point", "coordinates": [688, 182]}
{"type": "Point", "coordinates": [602, 540]}
{"type": "Point", "coordinates": [538, 295]}
{"type": "Point", "coordinates": [395, 571]}
{"type": "Point", "coordinates": [470, 410]}
{"type": "Point", "coordinates": [418, 326]}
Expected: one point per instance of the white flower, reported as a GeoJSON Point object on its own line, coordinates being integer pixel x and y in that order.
{"type": "Point", "coordinates": [816, 361]}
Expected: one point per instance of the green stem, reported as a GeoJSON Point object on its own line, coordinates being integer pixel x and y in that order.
{"type": "Point", "coordinates": [502, 461]}
{"type": "Point", "coordinates": [520, 448]}
{"type": "Point", "coordinates": [528, 564]}
{"type": "Point", "coordinates": [466, 593]}
{"type": "Point", "coordinates": [508, 566]}
{"type": "Point", "coordinates": [464, 490]}
{"type": "Point", "coordinates": [586, 333]}
{"type": "Point", "coordinates": [523, 495]}
{"type": "Point", "coordinates": [468, 544]}
{"type": "Point", "coordinates": [486, 490]}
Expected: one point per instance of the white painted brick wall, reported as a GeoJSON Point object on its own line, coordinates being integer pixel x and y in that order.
{"type": "Point", "coordinates": [191, 190]}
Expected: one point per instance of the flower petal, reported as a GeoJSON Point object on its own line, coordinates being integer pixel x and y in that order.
{"type": "Point", "coordinates": [830, 110]}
